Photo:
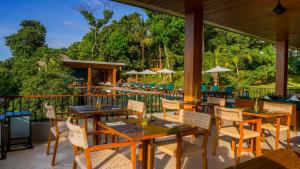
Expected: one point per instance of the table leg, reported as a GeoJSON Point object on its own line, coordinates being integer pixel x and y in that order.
{"type": "Point", "coordinates": [147, 155]}
{"type": "Point", "coordinates": [277, 133]}
{"type": "Point", "coordinates": [179, 151]}
{"type": "Point", "coordinates": [96, 137]}
{"type": "Point", "coordinates": [150, 154]}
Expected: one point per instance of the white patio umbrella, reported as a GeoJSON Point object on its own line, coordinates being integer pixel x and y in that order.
{"type": "Point", "coordinates": [147, 72]}
{"type": "Point", "coordinates": [216, 70]}
{"type": "Point", "coordinates": [165, 71]}
{"type": "Point", "coordinates": [132, 72]}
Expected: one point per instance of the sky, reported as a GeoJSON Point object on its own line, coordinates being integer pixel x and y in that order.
{"type": "Point", "coordinates": [61, 18]}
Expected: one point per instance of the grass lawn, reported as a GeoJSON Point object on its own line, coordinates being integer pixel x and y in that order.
{"type": "Point", "coordinates": [294, 82]}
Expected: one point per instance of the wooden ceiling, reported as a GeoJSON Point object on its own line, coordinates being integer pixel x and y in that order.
{"type": "Point", "coordinates": [250, 17]}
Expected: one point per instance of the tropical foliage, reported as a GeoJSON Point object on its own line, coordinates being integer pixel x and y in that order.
{"type": "Point", "coordinates": [151, 41]}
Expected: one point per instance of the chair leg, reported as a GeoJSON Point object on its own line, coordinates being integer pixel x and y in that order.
{"type": "Point", "coordinates": [204, 159]}
{"type": "Point", "coordinates": [74, 164]}
{"type": "Point", "coordinates": [263, 137]}
{"type": "Point", "coordinates": [233, 144]}
{"type": "Point", "coordinates": [215, 143]}
{"type": "Point", "coordinates": [257, 146]}
{"type": "Point", "coordinates": [54, 150]}
{"type": "Point", "coordinates": [239, 151]}
{"type": "Point", "coordinates": [49, 143]}
{"type": "Point", "coordinates": [288, 139]}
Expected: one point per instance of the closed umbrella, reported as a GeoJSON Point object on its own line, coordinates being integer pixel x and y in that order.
{"type": "Point", "coordinates": [216, 70]}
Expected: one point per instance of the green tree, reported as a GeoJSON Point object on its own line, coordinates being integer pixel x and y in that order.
{"type": "Point", "coordinates": [51, 77]}
{"type": "Point", "coordinates": [28, 39]}
{"type": "Point", "coordinates": [95, 27]}
{"type": "Point", "coordinates": [167, 33]}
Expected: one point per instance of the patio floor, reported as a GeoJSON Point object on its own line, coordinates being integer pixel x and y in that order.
{"type": "Point", "coordinates": [37, 159]}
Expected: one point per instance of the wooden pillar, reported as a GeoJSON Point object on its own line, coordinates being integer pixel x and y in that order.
{"type": "Point", "coordinates": [193, 54]}
{"type": "Point", "coordinates": [281, 77]}
{"type": "Point", "coordinates": [89, 80]}
{"type": "Point", "coordinates": [114, 76]}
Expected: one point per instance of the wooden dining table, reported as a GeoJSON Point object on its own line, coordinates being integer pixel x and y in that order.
{"type": "Point", "coordinates": [277, 159]}
{"type": "Point", "coordinates": [265, 114]}
{"type": "Point", "coordinates": [145, 135]}
{"type": "Point", "coordinates": [97, 113]}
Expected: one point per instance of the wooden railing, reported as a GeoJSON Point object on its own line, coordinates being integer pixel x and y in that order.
{"type": "Point", "coordinates": [62, 102]}
{"type": "Point", "coordinates": [261, 92]}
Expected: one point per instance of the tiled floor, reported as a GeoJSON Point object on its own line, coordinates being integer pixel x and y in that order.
{"type": "Point", "coordinates": [37, 159]}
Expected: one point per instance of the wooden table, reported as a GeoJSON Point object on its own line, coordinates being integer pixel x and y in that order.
{"type": "Point", "coordinates": [155, 129]}
{"type": "Point", "coordinates": [272, 115]}
{"type": "Point", "coordinates": [97, 114]}
{"type": "Point", "coordinates": [278, 159]}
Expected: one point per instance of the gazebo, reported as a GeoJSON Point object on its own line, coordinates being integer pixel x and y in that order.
{"type": "Point", "coordinates": [94, 71]}
{"type": "Point", "coordinates": [255, 18]}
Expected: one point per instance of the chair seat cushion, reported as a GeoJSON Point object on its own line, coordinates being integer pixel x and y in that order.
{"type": "Point", "coordinates": [272, 126]}
{"type": "Point", "coordinates": [188, 149]}
{"type": "Point", "coordinates": [105, 159]}
{"type": "Point", "coordinates": [235, 132]}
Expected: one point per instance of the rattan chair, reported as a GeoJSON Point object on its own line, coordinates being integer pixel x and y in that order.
{"type": "Point", "coordinates": [58, 129]}
{"type": "Point", "coordinates": [270, 124]}
{"type": "Point", "coordinates": [200, 120]}
{"type": "Point", "coordinates": [216, 100]}
{"type": "Point", "coordinates": [136, 108]}
{"type": "Point", "coordinates": [237, 132]}
{"type": "Point", "coordinates": [100, 156]}
{"type": "Point", "coordinates": [171, 109]}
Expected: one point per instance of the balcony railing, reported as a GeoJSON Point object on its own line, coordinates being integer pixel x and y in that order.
{"type": "Point", "coordinates": [62, 102]}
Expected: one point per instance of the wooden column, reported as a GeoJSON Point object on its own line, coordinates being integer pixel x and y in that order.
{"type": "Point", "coordinates": [114, 76]}
{"type": "Point", "coordinates": [193, 54]}
{"type": "Point", "coordinates": [89, 80]}
{"type": "Point", "coordinates": [281, 77]}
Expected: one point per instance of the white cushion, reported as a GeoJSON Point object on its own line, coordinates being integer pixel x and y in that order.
{"type": "Point", "coordinates": [104, 159]}
{"type": "Point", "coordinates": [293, 98]}
{"type": "Point", "coordinates": [267, 97]}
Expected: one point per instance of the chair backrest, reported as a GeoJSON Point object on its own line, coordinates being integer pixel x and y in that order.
{"type": "Point", "coordinates": [170, 104]}
{"type": "Point", "coordinates": [229, 89]}
{"type": "Point", "coordinates": [215, 88]}
{"type": "Point", "coordinates": [198, 119]}
{"type": "Point", "coordinates": [171, 86]}
{"type": "Point", "coordinates": [215, 100]}
{"type": "Point", "coordinates": [203, 88]}
{"type": "Point", "coordinates": [228, 114]}
{"type": "Point", "coordinates": [77, 135]}
{"type": "Point", "coordinates": [283, 107]}
{"type": "Point", "coordinates": [136, 106]}
{"type": "Point", "coordinates": [50, 111]}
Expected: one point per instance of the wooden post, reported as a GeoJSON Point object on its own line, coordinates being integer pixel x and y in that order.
{"type": "Point", "coordinates": [193, 54]}
{"type": "Point", "coordinates": [281, 77]}
{"type": "Point", "coordinates": [89, 80]}
{"type": "Point", "coordinates": [114, 76]}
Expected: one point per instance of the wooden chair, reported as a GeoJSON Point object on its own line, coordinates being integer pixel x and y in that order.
{"type": "Point", "coordinates": [99, 156]}
{"type": "Point", "coordinates": [216, 100]}
{"type": "Point", "coordinates": [58, 129]}
{"type": "Point", "coordinates": [270, 124]}
{"type": "Point", "coordinates": [200, 120]}
{"type": "Point", "coordinates": [171, 106]}
{"type": "Point", "coordinates": [236, 132]}
{"type": "Point", "coordinates": [136, 108]}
